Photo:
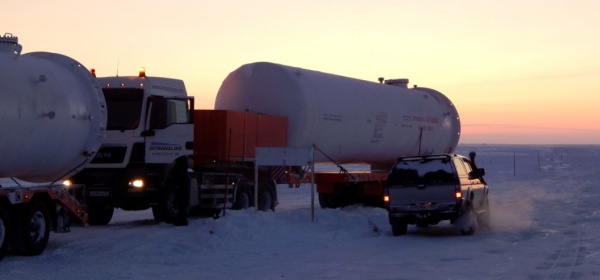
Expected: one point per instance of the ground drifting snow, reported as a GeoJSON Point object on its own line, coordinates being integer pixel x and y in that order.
{"type": "Point", "coordinates": [545, 225]}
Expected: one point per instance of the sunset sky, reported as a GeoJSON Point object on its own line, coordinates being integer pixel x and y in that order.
{"type": "Point", "coordinates": [519, 72]}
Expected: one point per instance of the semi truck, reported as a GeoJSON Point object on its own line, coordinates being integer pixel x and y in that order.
{"type": "Point", "coordinates": [53, 119]}
{"type": "Point", "coordinates": [161, 154]}
{"type": "Point", "coordinates": [159, 148]}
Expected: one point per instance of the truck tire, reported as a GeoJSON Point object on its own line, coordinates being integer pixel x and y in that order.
{"type": "Point", "coordinates": [31, 229]}
{"type": "Point", "coordinates": [329, 200]}
{"type": "Point", "coordinates": [267, 195]}
{"type": "Point", "coordinates": [4, 232]}
{"type": "Point", "coordinates": [167, 210]}
{"type": "Point", "coordinates": [323, 200]}
{"type": "Point", "coordinates": [243, 199]}
{"type": "Point", "coordinates": [399, 229]}
{"type": "Point", "coordinates": [100, 214]}
{"type": "Point", "coordinates": [265, 201]}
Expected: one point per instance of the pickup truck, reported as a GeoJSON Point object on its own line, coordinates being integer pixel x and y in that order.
{"type": "Point", "coordinates": [424, 190]}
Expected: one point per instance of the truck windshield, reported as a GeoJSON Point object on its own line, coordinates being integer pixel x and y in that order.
{"type": "Point", "coordinates": [421, 171]}
{"type": "Point", "coordinates": [124, 107]}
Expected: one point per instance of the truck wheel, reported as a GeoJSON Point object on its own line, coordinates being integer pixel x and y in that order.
{"type": "Point", "coordinates": [31, 230]}
{"type": "Point", "coordinates": [265, 201]}
{"type": "Point", "coordinates": [323, 200]}
{"type": "Point", "coordinates": [243, 199]}
{"type": "Point", "coordinates": [329, 200]}
{"type": "Point", "coordinates": [4, 233]}
{"type": "Point", "coordinates": [399, 229]}
{"type": "Point", "coordinates": [100, 214]}
{"type": "Point", "coordinates": [167, 210]}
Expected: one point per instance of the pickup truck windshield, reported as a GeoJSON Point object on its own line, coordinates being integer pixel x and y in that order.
{"type": "Point", "coordinates": [421, 171]}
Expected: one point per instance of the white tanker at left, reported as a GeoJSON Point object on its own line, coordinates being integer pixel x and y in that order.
{"type": "Point", "coordinates": [52, 122]}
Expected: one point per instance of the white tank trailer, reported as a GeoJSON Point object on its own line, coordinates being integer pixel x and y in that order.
{"type": "Point", "coordinates": [350, 120]}
{"type": "Point", "coordinates": [52, 114]}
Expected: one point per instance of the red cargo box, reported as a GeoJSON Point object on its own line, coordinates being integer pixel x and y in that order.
{"type": "Point", "coordinates": [221, 135]}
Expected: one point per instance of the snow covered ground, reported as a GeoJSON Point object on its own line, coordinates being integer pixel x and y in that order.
{"type": "Point", "coordinates": [545, 225]}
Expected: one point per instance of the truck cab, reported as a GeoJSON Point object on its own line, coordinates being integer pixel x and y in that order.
{"type": "Point", "coordinates": [149, 127]}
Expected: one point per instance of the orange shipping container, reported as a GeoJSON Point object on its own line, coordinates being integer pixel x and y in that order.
{"type": "Point", "coordinates": [222, 135]}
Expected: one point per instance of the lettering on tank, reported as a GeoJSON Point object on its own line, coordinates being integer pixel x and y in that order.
{"type": "Point", "coordinates": [426, 123]}
{"type": "Point", "coordinates": [379, 125]}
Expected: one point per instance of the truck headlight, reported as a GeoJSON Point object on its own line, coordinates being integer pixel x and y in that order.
{"type": "Point", "coordinates": [67, 183]}
{"type": "Point", "coordinates": [137, 183]}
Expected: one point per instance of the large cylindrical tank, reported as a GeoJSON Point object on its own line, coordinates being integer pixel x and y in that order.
{"type": "Point", "coordinates": [52, 114]}
{"type": "Point", "coordinates": [349, 120]}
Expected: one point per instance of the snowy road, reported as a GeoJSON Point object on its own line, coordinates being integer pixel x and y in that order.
{"type": "Point", "coordinates": [546, 225]}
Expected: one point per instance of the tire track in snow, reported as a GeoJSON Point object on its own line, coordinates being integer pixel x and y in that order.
{"type": "Point", "coordinates": [567, 261]}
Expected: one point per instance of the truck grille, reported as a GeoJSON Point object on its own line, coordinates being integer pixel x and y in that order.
{"type": "Point", "coordinates": [110, 155]}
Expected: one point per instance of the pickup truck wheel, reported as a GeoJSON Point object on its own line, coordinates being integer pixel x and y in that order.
{"type": "Point", "coordinates": [468, 222]}
{"type": "Point", "coordinates": [31, 230]}
{"type": "Point", "coordinates": [100, 214]}
{"type": "Point", "coordinates": [4, 232]}
{"type": "Point", "coordinates": [483, 218]}
{"type": "Point", "coordinates": [399, 229]}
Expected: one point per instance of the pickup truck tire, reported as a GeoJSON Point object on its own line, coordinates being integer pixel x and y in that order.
{"type": "Point", "coordinates": [468, 221]}
{"type": "Point", "coordinates": [483, 218]}
{"type": "Point", "coordinates": [399, 229]}
{"type": "Point", "coordinates": [100, 214]}
{"type": "Point", "coordinates": [31, 230]}
{"type": "Point", "coordinates": [4, 232]}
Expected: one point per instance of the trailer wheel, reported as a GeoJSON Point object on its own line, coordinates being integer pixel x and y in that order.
{"type": "Point", "coordinates": [4, 232]}
{"type": "Point", "coordinates": [329, 200]}
{"type": "Point", "coordinates": [31, 230]}
{"type": "Point", "coordinates": [243, 199]}
{"type": "Point", "coordinates": [399, 229]}
{"type": "Point", "coordinates": [265, 201]}
{"type": "Point", "coordinates": [267, 195]}
{"type": "Point", "coordinates": [100, 214]}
